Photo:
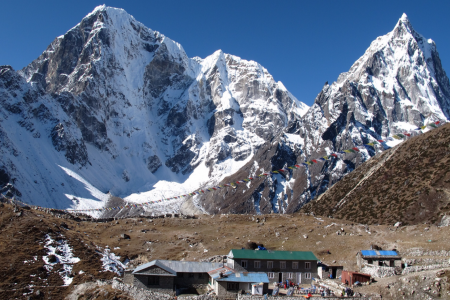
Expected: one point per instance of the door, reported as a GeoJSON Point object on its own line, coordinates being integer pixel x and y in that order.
{"type": "Point", "coordinates": [280, 277]}
{"type": "Point", "coordinates": [299, 278]}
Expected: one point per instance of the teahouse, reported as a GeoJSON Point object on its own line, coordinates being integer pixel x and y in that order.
{"type": "Point", "coordinates": [295, 266]}
{"type": "Point", "coordinates": [382, 258]}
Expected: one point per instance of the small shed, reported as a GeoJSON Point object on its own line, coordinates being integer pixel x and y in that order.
{"type": "Point", "coordinates": [352, 277]}
{"type": "Point", "coordinates": [330, 272]}
{"type": "Point", "coordinates": [382, 258]}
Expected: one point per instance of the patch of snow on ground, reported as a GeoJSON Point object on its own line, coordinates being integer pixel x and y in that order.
{"type": "Point", "coordinates": [64, 256]}
{"type": "Point", "coordinates": [112, 263]}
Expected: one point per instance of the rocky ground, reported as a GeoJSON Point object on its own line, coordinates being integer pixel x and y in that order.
{"type": "Point", "coordinates": [408, 183]}
{"type": "Point", "coordinates": [25, 275]}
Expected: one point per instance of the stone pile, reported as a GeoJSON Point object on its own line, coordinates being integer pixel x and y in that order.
{"type": "Point", "coordinates": [413, 269]}
{"type": "Point", "coordinates": [421, 252]}
{"type": "Point", "coordinates": [378, 272]}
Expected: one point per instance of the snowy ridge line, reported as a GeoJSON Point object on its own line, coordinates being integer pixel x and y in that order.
{"type": "Point", "coordinates": [336, 155]}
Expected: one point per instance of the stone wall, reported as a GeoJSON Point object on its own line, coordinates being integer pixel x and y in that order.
{"type": "Point", "coordinates": [165, 284]}
{"type": "Point", "coordinates": [378, 272]}
{"type": "Point", "coordinates": [128, 277]}
{"type": "Point", "coordinates": [413, 269]}
{"type": "Point", "coordinates": [139, 293]}
{"type": "Point", "coordinates": [315, 297]}
{"type": "Point", "coordinates": [186, 280]}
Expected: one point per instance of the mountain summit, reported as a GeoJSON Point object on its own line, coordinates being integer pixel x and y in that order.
{"type": "Point", "coordinates": [113, 107]}
{"type": "Point", "coordinates": [397, 85]}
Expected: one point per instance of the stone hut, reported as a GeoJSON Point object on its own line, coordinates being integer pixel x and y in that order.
{"type": "Point", "coordinates": [381, 258]}
{"type": "Point", "coordinates": [167, 276]}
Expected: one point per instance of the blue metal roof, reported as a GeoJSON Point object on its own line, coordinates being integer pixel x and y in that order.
{"type": "Point", "coordinates": [379, 253]}
{"type": "Point", "coordinates": [225, 271]}
{"type": "Point", "coordinates": [251, 277]}
{"type": "Point", "coordinates": [368, 253]}
{"type": "Point", "coordinates": [386, 252]}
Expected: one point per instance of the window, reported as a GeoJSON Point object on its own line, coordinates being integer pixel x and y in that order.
{"type": "Point", "coordinates": [200, 275]}
{"type": "Point", "coordinates": [308, 275]}
{"type": "Point", "coordinates": [290, 275]}
{"type": "Point", "coordinates": [232, 286]}
{"type": "Point", "coordinates": [282, 265]}
{"type": "Point", "coordinates": [271, 275]}
{"type": "Point", "coordinates": [295, 265]}
{"type": "Point", "coordinates": [180, 275]}
{"type": "Point", "coordinates": [257, 264]}
{"type": "Point", "coordinates": [153, 280]}
{"type": "Point", "coordinates": [270, 265]}
{"type": "Point", "coordinates": [191, 275]}
{"type": "Point", "coordinates": [244, 264]}
{"type": "Point", "coordinates": [307, 265]}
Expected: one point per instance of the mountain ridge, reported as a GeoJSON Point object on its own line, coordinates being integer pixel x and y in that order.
{"type": "Point", "coordinates": [119, 109]}
{"type": "Point", "coordinates": [407, 184]}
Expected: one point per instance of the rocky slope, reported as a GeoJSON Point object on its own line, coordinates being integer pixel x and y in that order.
{"type": "Point", "coordinates": [397, 85]}
{"type": "Point", "coordinates": [115, 108]}
{"type": "Point", "coordinates": [27, 270]}
{"type": "Point", "coordinates": [409, 183]}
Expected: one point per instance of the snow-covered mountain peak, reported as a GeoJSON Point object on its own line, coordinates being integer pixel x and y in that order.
{"type": "Point", "coordinates": [406, 66]}
{"type": "Point", "coordinates": [115, 98]}
{"type": "Point", "coordinates": [115, 107]}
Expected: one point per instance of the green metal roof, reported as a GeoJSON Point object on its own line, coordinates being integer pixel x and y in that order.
{"type": "Point", "coordinates": [270, 254]}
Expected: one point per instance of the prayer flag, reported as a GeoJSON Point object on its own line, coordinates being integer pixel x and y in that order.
{"type": "Point", "coordinates": [314, 161]}
{"type": "Point", "coordinates": [355, 148]}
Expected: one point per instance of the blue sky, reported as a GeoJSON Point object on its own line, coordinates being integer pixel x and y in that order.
{"type": "Point", "coordinates": [301, 43]}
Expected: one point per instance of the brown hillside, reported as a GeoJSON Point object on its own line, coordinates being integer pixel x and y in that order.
{"type": "Point", "coordinates": [22, 272]}
{"type": "Point", "coordinates": [409, 183]}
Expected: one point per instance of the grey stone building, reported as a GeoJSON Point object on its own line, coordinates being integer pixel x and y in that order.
{"type": "Point", "coordinates": [295, 266]}
{"type": "Point", "coordinates": [381, 258]}
{"type": "Point", "coordinates": [169, 275]}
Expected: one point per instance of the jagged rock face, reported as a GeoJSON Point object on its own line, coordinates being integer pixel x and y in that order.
{"type": "Point", "coordinates": [114, 106]}
{"type": "Point", "coordinates": [398, 84]}
{"type": "Point", "coordinates": [404, 184]}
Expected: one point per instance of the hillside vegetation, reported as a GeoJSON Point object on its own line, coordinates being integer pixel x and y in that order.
{"type": "Point", "coordinates": [409, 183]}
